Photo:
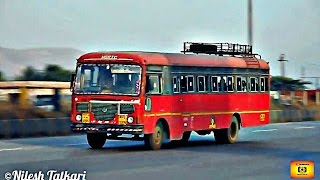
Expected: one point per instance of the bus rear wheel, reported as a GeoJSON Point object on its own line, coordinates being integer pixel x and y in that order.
{"type": "Point", "coordinates": [96, 140]}
{"type": "Point", "coordinates": [154, 141]}
{"type": "Point", "coordinates": [229, 135]}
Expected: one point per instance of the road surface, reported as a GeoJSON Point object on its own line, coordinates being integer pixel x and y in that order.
{"type": "Point", "coordinates": [261, 153]}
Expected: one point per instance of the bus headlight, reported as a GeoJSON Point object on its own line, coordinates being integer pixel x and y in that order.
{"type": "Point", "coordinates": [78, 117]}
{"type": "Point", "coordinates": [130, 120]}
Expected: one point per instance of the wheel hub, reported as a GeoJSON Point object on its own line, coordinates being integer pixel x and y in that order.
{"type": "Point", "coordinates": [158, 137]}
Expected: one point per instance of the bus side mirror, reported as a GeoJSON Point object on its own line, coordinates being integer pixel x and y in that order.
{"type": "Point", "coordinates": [147, 105]}
{"type": "Point", "coordinates": [73, 76]}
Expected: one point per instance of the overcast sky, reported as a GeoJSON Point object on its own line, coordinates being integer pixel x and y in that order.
{"type": "Point", "coordinates": [291, 27]}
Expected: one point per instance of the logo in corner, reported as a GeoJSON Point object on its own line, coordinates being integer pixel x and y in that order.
{"type": "Point", "coordinates": [302, 169]}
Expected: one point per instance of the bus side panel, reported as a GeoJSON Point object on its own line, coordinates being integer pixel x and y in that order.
{"type": "Point", "coordinates": [175, 128]}
{"type": "Point", "coordinates": [223, 121]}
{"type": "Point", "coordinates": [149, 123]}
{"type": "Point", "coordinates": [203, 122]}
{"type": "Point", "coordinates": [162, 109]}
{"type": "Point", "coordinates": [187, 112]}
{"type": "Point", "coordinates": [203, 107]}
{"type": "Point", "coordinates": [261, 104]}
{"type": "Point", "coordinates": [256, 119]}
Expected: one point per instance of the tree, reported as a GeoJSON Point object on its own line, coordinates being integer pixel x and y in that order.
{"type": "Point", "coordinates": [56, 73]}
{"type": "Point", "coordinates": [287, 84]}
{"type": "Point", "coordinates": [50, 73]}
{"type": "Point", "coordinates": [30, 74]}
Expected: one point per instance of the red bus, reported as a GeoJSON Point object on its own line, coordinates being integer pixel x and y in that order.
{"type": "Point", "coordinates": [151, 96]}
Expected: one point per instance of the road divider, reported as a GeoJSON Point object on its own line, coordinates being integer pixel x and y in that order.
{"type": "Point", "coordinates": [14, 128]}
{"type": "Point", "coordinates": [294, 115]}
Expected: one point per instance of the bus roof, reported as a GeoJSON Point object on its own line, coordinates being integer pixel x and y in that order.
{"type": "Point", "coordinates": [177, 59]}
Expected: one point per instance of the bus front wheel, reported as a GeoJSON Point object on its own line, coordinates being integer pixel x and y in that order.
{"type": "Point", "coordinates": [229, 135]}
{"type": "Point", "coordinates": [96, 140]}
{"type": "Point", "coordinates": [154, 141]}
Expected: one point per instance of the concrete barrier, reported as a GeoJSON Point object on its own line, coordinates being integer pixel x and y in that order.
{"type": "Point", "coordinates": [275, 116]}
{"type": "Point", "coordinates": [61, 126]}
{"type": "Point", "coordinates": [34, 127]}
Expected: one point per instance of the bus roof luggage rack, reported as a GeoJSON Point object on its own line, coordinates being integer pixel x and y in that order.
{"type": "Point", "coordinates": [220, 49]}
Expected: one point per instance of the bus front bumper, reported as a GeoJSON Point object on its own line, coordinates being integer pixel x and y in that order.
{"type": "Point", "coordinates": [107, 128]}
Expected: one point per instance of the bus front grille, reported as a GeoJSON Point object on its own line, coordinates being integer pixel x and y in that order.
{"type": "Point", "coordinates": [103, 111]}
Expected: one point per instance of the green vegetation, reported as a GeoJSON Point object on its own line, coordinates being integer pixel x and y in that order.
{"type": "Point", "coordinates": [287, 84]}
{"type": "Point", "coordinates": [2, 76]}
{"type": "Point", "coordinates": [50, 73]}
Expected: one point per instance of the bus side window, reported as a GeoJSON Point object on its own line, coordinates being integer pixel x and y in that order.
{"type": "Point", "coordinates": [190, 81]}
{"type": "Point", "coordinates": [244, 84]}
{"type": "Point", "coordinates": [266, 80]}
{"type": "Point", "coordinates": [262, 84]}
{"type": "Point", "coordinates": [230, 84]}
{"type": "Point", "coordinates": [175, 84]}
{"type": "Point", "coordinates": [222, 84]}
{"type": "Point", "coordinates": [153, 84]}
{"type": "Point", "coordinates": [183, 84]}
{"type": "Point", "coordinates": [201, 84]}
{"type": "Point", "coordinates": [214, 84]}
{"type": "Point", "coordinates": [239, 84]}
{"type": "Point", "coordinates": [252, 84]}
{"type": "Point", "coordinates": [257, 84]}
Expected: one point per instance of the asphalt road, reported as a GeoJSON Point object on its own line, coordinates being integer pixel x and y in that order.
{"type": "Point", "coordinates": [261, 153]}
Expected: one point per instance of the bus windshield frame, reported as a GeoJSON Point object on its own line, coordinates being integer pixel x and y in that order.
{"type": "Point", "coordinates": [108, 79]}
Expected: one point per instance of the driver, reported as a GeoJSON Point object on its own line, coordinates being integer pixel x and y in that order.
{"type": "Point", "coordinates": [105, 79]}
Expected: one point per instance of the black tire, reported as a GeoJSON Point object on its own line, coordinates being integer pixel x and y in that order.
{"type": "Point", "coordinates": [154, 141]}
{"type": "Point", "coordinates": [184, 140]}
{"type": "Point", "coordinates": [229, 135]}
{"type": "Point", "coordinates": [96, 140]}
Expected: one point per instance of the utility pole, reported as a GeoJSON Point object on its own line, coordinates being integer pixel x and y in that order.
{"type": "Point", "coordinates": [282, 65]}
{"type": "Point", "coordinates": [250, 22]}
{"type": "Point", "coordinates": [303, 71]}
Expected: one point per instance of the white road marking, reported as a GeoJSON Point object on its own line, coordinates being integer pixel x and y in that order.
{"type": "Point", "coordinates": [264, 130]}
{"type": "Point", "coordinates": [21, 148]}
{"type": "Point", "coordinates": [282, 123]}
{"type": "Point", "coordinates": [11, 149]}
{"type": "Point", "coordinates": [306, 127]}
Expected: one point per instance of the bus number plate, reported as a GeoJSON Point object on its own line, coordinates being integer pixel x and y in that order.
{"type": "Point", "coordinates": [85, 117]}
{"type": "Point", "coordinates": [122, 119]}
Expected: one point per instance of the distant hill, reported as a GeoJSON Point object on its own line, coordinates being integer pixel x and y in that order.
{"type": "Point", "coordinates": [12, 61]}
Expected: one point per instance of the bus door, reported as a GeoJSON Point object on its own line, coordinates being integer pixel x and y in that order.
{"type": "Point", "coordinates": [153, 93]}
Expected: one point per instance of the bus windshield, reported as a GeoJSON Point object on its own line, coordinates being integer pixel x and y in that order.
{"type": "Point", "coordinates": [108, 79]}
